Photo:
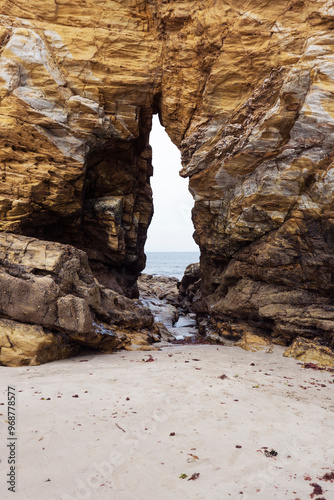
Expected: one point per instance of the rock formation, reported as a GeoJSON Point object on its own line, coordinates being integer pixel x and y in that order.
{"type": "Point", "coordinates": [189, 287]}
{"type": "Point", "coordinates": [312, 352]}
{"type": "Point", "coordinates": [160, 287]}
{"type": "Point", "coordinates": [244, 89]}
{"type": "Point", "coordinates": [51, 305]}
{"type": "Point", "coordinates": [160, 295]}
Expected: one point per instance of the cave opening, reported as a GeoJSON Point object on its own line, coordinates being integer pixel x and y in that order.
{"type": "Point", "coordinates": [109, 215]}
{"type": "Point", "coordinates": [170, 242]}
{"type": "Point", "coordinates": [117, 207]}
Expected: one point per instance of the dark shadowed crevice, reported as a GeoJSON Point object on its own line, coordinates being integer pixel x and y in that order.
{"type": "Point", "coordinates": [113, 207]}
{"type": "Point", "coordinates": [117, 207]}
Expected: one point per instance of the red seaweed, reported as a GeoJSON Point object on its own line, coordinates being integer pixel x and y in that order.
{"type": "Point", "coordinates": [313, 366]}
{"type": "Point", "coordinates": [194, 340]}
{"type": "Point", "coordinates": [317, 490]}
{"type": "Point", "coordinates": [329, 476]}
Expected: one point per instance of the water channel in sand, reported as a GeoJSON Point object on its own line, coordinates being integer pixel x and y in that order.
{"type": "Point", "coordinates": [158, 297]}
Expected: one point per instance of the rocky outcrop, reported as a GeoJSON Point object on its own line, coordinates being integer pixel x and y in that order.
{"type": "Point", "coordinates": [189, 287]}
{"type": "Point", "coordinates": [160, 295]}
{"type": "Point", "coordinates": [77, 88]}
{"type": "Point", "coordinates": [51, 304]}
{"type": "Point", "coordinates": [244, 89]}
{"type": "Point", "coordinates": [311, 352]}
{"type": "Point", "coordinates": [174, 321]}
{"type": "Point", "coordinates": [161, 287]}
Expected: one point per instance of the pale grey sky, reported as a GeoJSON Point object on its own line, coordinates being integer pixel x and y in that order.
{"type": "Point", "coordinates": [171, 228]}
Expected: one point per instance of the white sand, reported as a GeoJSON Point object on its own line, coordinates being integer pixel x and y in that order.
{"type": "Point", "coordinates": [103, 446]}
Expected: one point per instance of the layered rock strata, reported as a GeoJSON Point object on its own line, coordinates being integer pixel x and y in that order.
{"type": "Point", "coordinates": [190, 295]}
{"type": "Point", "coordinates": [51, 305]}
{"type": "Point", "coordinates": [76, 105]}
{"type": "Point", "coordinates": [244, 89]}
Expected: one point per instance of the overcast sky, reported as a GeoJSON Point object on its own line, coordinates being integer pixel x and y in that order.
{"type": "Point", "coordinates": [171, 228]}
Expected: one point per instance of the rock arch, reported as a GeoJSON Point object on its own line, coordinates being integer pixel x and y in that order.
{"type": "Point", "coordinates": [245, 92]}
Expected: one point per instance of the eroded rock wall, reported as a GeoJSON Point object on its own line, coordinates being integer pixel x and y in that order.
{"type": "Point", "coordinates": [258, 150]}
{"type": "Point", "coordinates": [77, 90]}
{"type": "Point", "coordinates": [259, 154]}
{"type": "Point", "coordinates": [51, 305]}
{"type": "Point", "coordinates": [244, 89]}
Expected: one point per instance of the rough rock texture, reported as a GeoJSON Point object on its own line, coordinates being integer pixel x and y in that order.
{"type": "Point", "coordinates": [77, 89]}
{"type": "Point", "coordinates": [311, 352]}
{"type": "Point", "coordinates": [251, 342]}
{"type": "Point", "coordinates": [24, 344]}
{"type": "Point", "coordinates": [51, 304]}
{"type": "Point", "coordinates": [244, 89]}
{"type": "Point", "coordinates": [160, 295]}
{"type": "Point", "coordinates": [161, 287]}
{"type": "Point", "coordinates": [190, 289]}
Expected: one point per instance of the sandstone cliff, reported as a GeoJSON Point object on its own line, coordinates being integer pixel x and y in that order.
{"type": "Point", "coordinates": [244, 89]}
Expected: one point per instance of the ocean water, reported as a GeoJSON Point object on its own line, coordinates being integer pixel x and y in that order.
{"type": "Point", "coordinates": [169, 263]}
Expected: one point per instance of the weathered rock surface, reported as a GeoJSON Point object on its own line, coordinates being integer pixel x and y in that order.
{"type": "Point", "coordinates": [160, 295]}
{"type": "Point", "coordinates": [161, 287]}
{"type": "Point", "coordinates": [244, 89]}
{"type": "Point", "coordinates": [24, 344]}
{"type": "Point", "coordinates": [189, 287]}
{"type": "Point", "coordinates": [311, 352]}
{"type": "Point", "coordinates": [251, 342]}
{"type": "Point", "coordinates": [50, 303]}
{"type": "Point", "coordinates": [77, 90]}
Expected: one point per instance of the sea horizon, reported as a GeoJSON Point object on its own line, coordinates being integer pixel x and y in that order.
{"type": "Point", "coordinates": [170, 263]}
{"type": "Point", "coordinates": [171, 251]}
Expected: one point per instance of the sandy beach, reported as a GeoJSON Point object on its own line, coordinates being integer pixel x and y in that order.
{"type": "Point", "coordinates": [140, 425]}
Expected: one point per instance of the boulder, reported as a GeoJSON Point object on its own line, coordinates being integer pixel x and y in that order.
{"type": "Point", "coordinates": [50, 304]}
{"type": "Point", "coordinates": [23, 344]}
{"type": "Point", "coordinates": [309, 351]}
{"type": "Point", "coordinates": [190, 292]}
{"type": "Point", "coordinates": [251, 342]}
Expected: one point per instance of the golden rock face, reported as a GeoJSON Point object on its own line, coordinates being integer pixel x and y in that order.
{"type": "Point", "coordinates": [23, 344]}
{"type": "Point", "coordinates": [251, 342]}
{"type": "Point", "coordinates": [77, 84]}
{"type": "Point", "coordinates": [310, 352]}
{"type": "Point", "coordinates": [244, 89]}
